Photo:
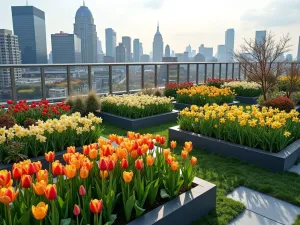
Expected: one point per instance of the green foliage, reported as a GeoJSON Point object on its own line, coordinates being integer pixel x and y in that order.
{"type": "Point", "coordinates": [296, 98]}
{"type": "Point", "coordinates": [70, 101]}
{"type": "Point", "coordinates": [29, 122]}
{"type": "Point", "coordinates": [79, 105]}
{"type": "Point", "coordinates": [152, 91]}
{"type": "Point", "coordinates": [13, 152]}
{"type": "Point", "coordinates": [92, 103]}
{"type": "Point", "coordinates": [270, 95]}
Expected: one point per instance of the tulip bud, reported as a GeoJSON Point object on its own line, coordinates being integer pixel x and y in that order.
{"type": "Point", "coordinates": [17, 173]}
{"type": "Point", "coordinates": [82, 190]}
{"type": "Point", "coordinates": [139, 151]}
{"type": "Point", "coordinates": [151, 145]}
{"type": "Point", "coordinates": [111, 165]}
{"type": "Point", "coordinates": [173, 144]}
{"type": "Point", "coordinates": [51, 192]}
{"type": "Point", "coordinates": [76, 210]}
{"type": "Point", "coordinates": [26, 181]}
{"type": "Point", "coordinates": [50, 156]}
{"type": "Point", "coordinates": [84, 173]}
{"type": "Point", "coordinates": [139, 164]}
{"type": "Point", "coordinates": [162, 140]}
{"type": "Point", "coordinates": [124, 164]}
{"type": "Point", "coordinates": [194, 160]}
{"type": "Point", "coordinates": [184, 154]}
{"type": "Point", "coordinates": [103, 164]}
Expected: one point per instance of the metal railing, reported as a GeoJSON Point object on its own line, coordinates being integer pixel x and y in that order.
{"type": "Point", "coordinates": [163, 73]}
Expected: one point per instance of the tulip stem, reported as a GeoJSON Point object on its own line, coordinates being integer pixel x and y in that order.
{"type": "Point", "coordinates": [9, 215]}
{"type": "Point", "coordinates": [77, 220]}
{"type": "Point", "coordinates": [41, 222]}
{"type": "Point", "coordinates": [53, 216]}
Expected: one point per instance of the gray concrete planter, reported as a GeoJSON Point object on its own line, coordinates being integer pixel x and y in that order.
{"type": "Point", "coordinates": [136, 124]}
{"type": "Point", "coordinates": [246, 100]}
{"type": "Point", "coordinates": [181, 106]}
{"type": "Point", "coordinates": [276, 162]}
{"type": "Point", "coordinates": [185, 209]}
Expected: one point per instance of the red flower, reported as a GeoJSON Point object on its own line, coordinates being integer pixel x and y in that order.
{"type": "Point", "coordinates": [124, 164]}
{"type": "Point", "coordinates": [111, 165]}
{"type": "Point", "coordinates": [103, 164]}
{"type": "Point", "coordinates": [139, 164]}
{"type": "Point", "coordinates": [10, 102]}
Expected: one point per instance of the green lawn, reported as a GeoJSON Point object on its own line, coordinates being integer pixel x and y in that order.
{"type": "Point", "coordinates": [228, 174]}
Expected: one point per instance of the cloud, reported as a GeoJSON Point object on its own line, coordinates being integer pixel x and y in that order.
{"type": "Point", "coordinates": [276, 13]}
{"type": "Point", "coordinates": [154, 4]}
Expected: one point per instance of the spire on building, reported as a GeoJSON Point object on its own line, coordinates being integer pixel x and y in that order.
{"type": "Point", "coordinates": [83, 2]}
{"type": "Point", "coordinates": [157, 26]}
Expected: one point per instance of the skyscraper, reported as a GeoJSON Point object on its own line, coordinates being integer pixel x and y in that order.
{"type": "Point", "coordinates": [229, 44]}
{"type": "Point", "coordinates": [207, 52]}
{"type": "Point", "coordinates": [9, 54]}
{"type": "Point", "coordinates": [136, 50]}
{"type": "Point", "coordinates": [99, 46]}
{"type": "Point", "coordinates": [158, 46]}
{"type": "Point", "coordinates": [145, 58]}
{"type": "Point", "coordinates": [66, 48]}
{"type": "Point", "coordinates": [222, 55]}
{"type": "Point", "coordinates": [126, 41]}
{"type": "Point", "coordinates": [29, 26]}
{"type": "Point", "coordinates": [298, 56]}
{"type": "Point", "coordinates": [260, 37]}
{"type": "Point", "coordinates": [167, 51]}
{"type": "Point", "coordinates": [141, 49]}
{"type": "Point", "coordinates": [111, 42]}
{"type": "Point", "coordinates": [120, 53]}
{"type": "Point", "coordinates": [85, 29]}
{"type": "Point", "coordinates": [189, 50]}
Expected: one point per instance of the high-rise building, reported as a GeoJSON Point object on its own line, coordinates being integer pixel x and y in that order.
{"type": "Point", "coordinates": [167, 51]}
{"type": "Point", "coordinates": [260, 37]}
{"type": "Point", "coordinates": [189, 50]}
{"type": "Point", "coordinates": [186, 56]}
{"type": "Point", "coordinates": [9, 54]}
{"type": "Point", "coordinates": [126, 41]}
{"type": "Point", "coordinates": [193, 53]}
{"type": "Point", "coordinates": [66, 48]}
{"type": "Point", "coordinates": [99, 46]}
{"type": "Point", "coordinates": [85, 29]}
{"type": "Point", "coordinates": [141, 49]}
{"type": "Point", "coordinates": [222, 54]}
{"type": "Point", "coordinates": [229, 44]}
{"type": "Point", "coordinates": [289, 58]}
{"type": "Point", "coordinates": [207, 52]}
{"type": "Point", "coordinates": [29, 26]}
{"type": "Point", "coordinates": [111, 42]}
{"type": "Point", "coordinates": [173, 53]}
{"type": "Point", "coordinates": [50, 61]}
{"type": "Point", "coordinates": [298, 56]}
{"type": "Point", "coordinates": [145, 58]}
{"type": "Point", "coordinates": [158, 46]}
{"type": "Point", "coordinates": [136, 50]}
{"type": "Point", "coordinates": [120, 53]}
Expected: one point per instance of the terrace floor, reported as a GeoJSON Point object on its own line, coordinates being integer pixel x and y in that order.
{"type": "Point", "coordinates": [246, 194]}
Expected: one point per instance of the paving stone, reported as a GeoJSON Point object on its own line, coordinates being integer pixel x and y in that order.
{"type": "Point", "coordinates": [251, 218]}
{"type": "Point", "coordinates": [295, 169]}
{"type": "Point", "coordinates": [266, 206]}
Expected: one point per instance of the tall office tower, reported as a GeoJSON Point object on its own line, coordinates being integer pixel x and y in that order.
{"type": "Point", "coordinates": [85, 29]}
{"type": "Point", "coordinates": [222, 55]}
{"type": "Point", "coordinates": [189, 50]}
{"type": "Point", "coordinates": [289, 58]}
{"type": "Point", "coordinates": [136, 50]}
{"type": "Point", "coordinates": [186, 56]}
{"type": "Point", "coordinates": [141, 49]}
{"type": "Point", "coordinates": [207, 52]}
{"type": "Point", "coordinates": [173, 53]}
{"type": "Point", "coordinates": [193, 53]}
{"type": "Point", "coordinates": [29, 26]}
{"type": "Point", "coordinates": [99, 46]}
{"type": "Point", "coordinates": [9, 54]}
{"type": "Point", "coordinates": [111, 42]}
{"type": "Point", "coordinates": [158, 46]}
{"type": "Point", "coordinates": [229, 44]}
{"type": "Point", "coordinates": [260, 36]}
{"type": "Point", "coordinates": [120, 53]}
{"type": "Point", "coordinates": [298, 56]}
{"type": "Point", "coordinates": [126, 41]}
{"type": "Point", "coordinates": [66, 48]}
{"type": "Point", "coordinates": [167, 51]}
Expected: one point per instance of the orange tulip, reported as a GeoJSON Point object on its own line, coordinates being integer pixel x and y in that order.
{"type": "Point", "coordinates": [26, 181]}
{"type": "Point", "coordinates": [76, 162]}
{"type": "Point", "coordinates": [188, 146]}
{"type": "Point", "coordinates": [51, 192]}
{"type": "Point", "coordinates": [122, 153]}
{"type": "Point", "coordinates": [84, 172]}
{"type": "Point", "coordinates": [174, 166]}
{"type": "Point", "coordinates": [133, 154]}
{"type": "Point", "coordinates": [86, 150]}
{"type": "Point", "coordinates": [29, 169]}
{"type": "Point", "coordinates": [145, 148]}
{"type": "Point", "coordinates": [167, 152]}
{"type": "Point", "coordinates": [103, 172]}
{"type": "Point", "coordinates": [112, 137]}
{"type": "Point", "coordinates": [150, 160]}
{"type": "Point", "coordinates": [57, 168]}
{"type": "Point", "coordinates": [40, 187]}
{"type": "Point", "coordinates": [157, 138]}
{"type": "Point", "coordinates": [173, 144]}
{"type": "Point", "coordinates": [71, 149]}
{"type": "Point", "coordinates": [119, 140]}
{"type": "Point", "coordinates": [124, 164]}
{"type": "Point", "coordinates": [67, 157]}
{"type": "Point", "coordinates": [16, 172]}
{"type": "Point", "coordinates": [93, 153]}
{"type": "Point", "coordinates": [130, 135]}
{"type": "Point", "coordinates": [76, 210]}
{"type": "Point", "coordinates": [194, 160]}
{"type": "Point", "coordinates": [87, 163]}
{"type": "Point", "coordinates": [170, 159]}
{"type": "Point", "coordinates": [8, 195]}
{"type": "Point", "coordinates": [5, 179]}
{"type": "Point", "coordinates": [50, 156]}
{"type": "Point", "coordinates": [96, 206]}
{"type": "Point", "coordinates": [42, 175]}
{"type": "Point", "coordinates": [70, 171]}
{"type": "Point", "coordinates": [127, 176]}
{"type": "Point", "coordinates": [184, 154]}
{"type": "Point", "coordinates": [40, 211]}
{"type": "Point", "coordinates": [37, 166]}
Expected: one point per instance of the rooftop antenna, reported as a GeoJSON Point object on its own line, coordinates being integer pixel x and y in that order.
{"type": "Point", "coordinates": [83, 2]}
{"type": "Point", "coordinates": [157, 26]}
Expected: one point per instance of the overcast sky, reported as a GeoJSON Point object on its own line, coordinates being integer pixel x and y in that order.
{"type": "Point", "coordinates": [182, 22]}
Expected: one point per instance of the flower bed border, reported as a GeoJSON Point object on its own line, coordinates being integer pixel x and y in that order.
{"type": "Point", "coordinates": [181, 106]}
{"type": "Point", "coordinates": [136, 124]}
{"type": "Point", "coordinates": [276, 162]}
{"type": "Point", "coordinates": [246, 100]}
{"type": "Point", "coordinates": [184, 209]}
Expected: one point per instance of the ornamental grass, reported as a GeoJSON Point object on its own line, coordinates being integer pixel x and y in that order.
{"type": "Point", "coordinates": [244, 88]}
{"type": "Point", "coordinates": [136, 106]}
{"type": "Point", "coordinates": [106, 184]}
{"type": "Point", "coordinates": [201, 95]}
{"type": "Point", "coordinates": [267, 129]}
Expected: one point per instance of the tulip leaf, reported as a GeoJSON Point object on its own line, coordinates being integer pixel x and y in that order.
{"type": "Point", "coordinates": [138, 210]}
{"type": "Point", "coordinates": [60, 202]}
{"type": "Point", "coordinates": [129, 206]}
{"type": "Point", "coordinates": [65, 221]}
{"type": "Point", "coordinates": [164, 194]}
{"type": "Point", "coordinates": [25, 219]}
{"type": "Point", "coordinates": [112, 219]}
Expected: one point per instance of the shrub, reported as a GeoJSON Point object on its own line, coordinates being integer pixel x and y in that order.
{"type": "Point", "coordinates": [79, 105]}
{"type": "Point", "coordinates": [92, 103]}
{"type": "Point", "coordinates": [281, 103]}
{"type": "Point", "coordinates": [152, 91]}
{"type": "Point", "coordinates": [270, 95]}
{"type": "Point", "coordinates": [29, 122]}
{"type": "Point", "coordinates": [172, 88]}
{"type": "Point", "coordinates": [70, 101]}
{"type": "Point", "coordinates": [7, 121]}
{"type": "Point", "coordinates": [296, 98]}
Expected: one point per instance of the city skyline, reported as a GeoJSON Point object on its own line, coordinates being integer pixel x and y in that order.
{"type": "Point", "coordinates": [178, 32]}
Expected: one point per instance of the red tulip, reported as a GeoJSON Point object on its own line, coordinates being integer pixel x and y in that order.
{"type": "Point", "coordinates": [26, 181]}
{"type": "Point", "coordinates": [76, 210]}
{"type": "Point", "coordinates": [17, 173]}
{"type": "Point", "coordinates": [82, 190]}
{"type": "Point", "coordinates": [96, 206]}
{"type": "Point", "coordinates": [162, 140]}
{"type": "Point", "coordinates": [139, 164]}
{"type": "Point", "coordinates": [51, 192]}
{"type": "Point", "coordinates": [10, 102]}
{"type": "Point", "coordinates": [50, 156]}
{"type": "Point", "coordinates": [124, 164]}
{"type": "Point", "coordinates": [103, 164]}
{"type": "Point", "coordinates": [111, 165]}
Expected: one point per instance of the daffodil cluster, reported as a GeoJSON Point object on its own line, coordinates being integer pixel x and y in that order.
{"type": "Point", "coordinates": [244, 88]}
{"type": "Point", "coordinates": [201, 95]}
{"type": "Point", "coordinates": [136, 106]}
{"type": "Point", "coordinates": [53, 133]}
{"type": "Point", "coordinates": [268, 129]}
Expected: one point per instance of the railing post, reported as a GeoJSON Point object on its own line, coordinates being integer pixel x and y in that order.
{"type": "Point", "coordinates": [232, 70]}
{"type": "Point", "coordinates": [226, 74]}
{"type": "Point", "coordinates": [205, 72]}
{"type": "Point", "coordinates": [178, 73]}
{"type": "Point", "coordinates": [220, 70]}
{"type": "Point", "coordinates": [142, 76]}
{"type": "Point", "coordinates": [188, 72]}
{"type": "Point", "coordinates": [239, 71]}
{"type": "Point", "coordinates": [110, 79]}
{"type": "Point", "coordinates": [213, 71]}
{"type": "Point", "coordinates": [197, 74]}
{"type": "Point", "coordinates": [13, 84]}
{"type": "Point", "coordinates": [43, 83]}
{"type": "Point", "coordinates": [168, 75]}
{"type": "Point", "coordinates": [127, 79]}
{"type": "Point", "coordinates": [69, 85]}
{"type": "Point", "coordinates": [155, 75]}
{"type": "Point", "coordinates": [90, 78]}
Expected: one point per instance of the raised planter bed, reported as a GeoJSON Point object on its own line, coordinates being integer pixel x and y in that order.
{"type": "Point", "coordinates": [276, 162]}
{"type": "Point", "coordinates": [246, 100]}
{"type": "Point", "coordinates": [185, 209]}
{"type": "Point", "coordinates": [136, 124]}
{"type": "Point", "coordinates": [181, 106]}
